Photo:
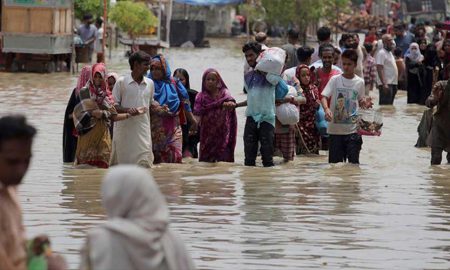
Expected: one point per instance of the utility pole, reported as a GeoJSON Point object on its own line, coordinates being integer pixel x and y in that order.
{"type": "Point", "coordinates": [105, 21]}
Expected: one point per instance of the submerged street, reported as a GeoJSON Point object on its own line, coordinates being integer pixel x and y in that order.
{"type": "Point", "coordinates": [391, 212]}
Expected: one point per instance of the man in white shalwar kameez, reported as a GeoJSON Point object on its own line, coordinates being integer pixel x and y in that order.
{"type": "Point", "coordinates": [132, 140]}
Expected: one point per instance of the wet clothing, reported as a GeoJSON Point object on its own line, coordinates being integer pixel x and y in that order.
{"type": "Point", "coordinates": [70, 135]}
{"type": "Point", "coordinates": [344, 148]}
{"type": "Point", "coordinates": [167, 138]}
{"type": "Point", "coordinates": [137, 235]}
{"type": "Point", "coordinates": [415, 81]}
{"type": "Point", "coordinates": [255, 134]}
{"type": "Point", "coordinates": [424, 129]}
{"type": "Point", "coordinates": [386, 59]}
{"type": "Point", "coordinates": [218, 126]}
{"type": "Point", "coordinates": [94, 140]}
{"type": "Point", "coordinates": [285, 140]}
{"type": "Point", "coordinates": [12, 237]}
{"type": "Point", "coordinates": [132, 142]}
{"type": "Point", "coordinates": [440, 131]}
{"type": "Point", "coordinates": [167, 135]}
{"type": "Point", "coordinates": [308, 140]}
{"type": "Point", "coordinates": [190, 142]}
{"type": "Point", "coordinates": [344, 142]}
{"type": "Point", "coordinates": [262, 91]}
{"type": "Point", "coordinates": [387, 97]}
{"type": "Point", "coordinates": [69, 132]}
{"type": "Point", "coordinates": [344, 95]}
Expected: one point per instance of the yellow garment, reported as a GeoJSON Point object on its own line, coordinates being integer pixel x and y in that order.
{"type": "Point", "coordinates": [94, 147]}
{"type": "Point", "coordinates": [12, 239]}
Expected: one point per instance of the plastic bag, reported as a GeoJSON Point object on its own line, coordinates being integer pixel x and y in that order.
{"type": "Point", "coordinates": [321, 123]}
{"type": "Point", "coordinates": [370, 123]}
{"type": "Point", "coordinates": [271, 60]}
{"type": "Point", "coordinates": [287, 114]}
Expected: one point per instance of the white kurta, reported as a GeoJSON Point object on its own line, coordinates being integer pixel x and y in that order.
{"type": "Point", "coordinates": [132, 141]}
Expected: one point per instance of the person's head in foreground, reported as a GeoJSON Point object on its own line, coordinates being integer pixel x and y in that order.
{"type": "Point", "coordinates": [137, 235]}
{"type": "Point", "coordinates": [16, 139]}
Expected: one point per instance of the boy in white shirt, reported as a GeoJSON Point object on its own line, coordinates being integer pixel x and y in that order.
{"type": "Point", "coordinates": [347, 94]}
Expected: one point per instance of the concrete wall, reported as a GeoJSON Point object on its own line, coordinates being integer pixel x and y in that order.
{"type": "Point", "coordinates": [218, 18]}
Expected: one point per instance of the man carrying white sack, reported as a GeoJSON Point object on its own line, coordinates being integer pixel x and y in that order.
{"type": "Point", "coordinates": [264, 85]}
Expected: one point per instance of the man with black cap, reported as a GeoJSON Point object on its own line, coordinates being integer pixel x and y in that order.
{"type": "Point", "coordinates": [88, 33]}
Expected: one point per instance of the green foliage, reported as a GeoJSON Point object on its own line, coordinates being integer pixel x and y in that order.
{"type": "Point", "coordinates": [133, 18]}
{"type": "Point", "coordinates": [302, 13]}
{"type": "Point", "coordinates": [94, 7]}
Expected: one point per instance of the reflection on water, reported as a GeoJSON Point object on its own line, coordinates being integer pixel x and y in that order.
{"type": "Point", "coordinates": [392, 212]}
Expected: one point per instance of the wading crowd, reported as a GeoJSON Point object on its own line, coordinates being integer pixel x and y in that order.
{"type": "Point", "coordinates": [299, 100]}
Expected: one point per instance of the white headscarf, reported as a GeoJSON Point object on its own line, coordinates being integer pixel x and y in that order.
{"type": "Point", "coordinates": [414, 53]}
{"type": "Point", "coordinates": [137, 234]}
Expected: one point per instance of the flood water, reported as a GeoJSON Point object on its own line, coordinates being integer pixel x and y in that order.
{"type": "Point", "coordinates": [391, 212]}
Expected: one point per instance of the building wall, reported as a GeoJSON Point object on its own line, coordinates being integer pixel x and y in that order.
{"type": "Point", "coordinates": [218, 18]}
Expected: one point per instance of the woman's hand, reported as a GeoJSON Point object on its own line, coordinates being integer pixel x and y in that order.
{"type": "Point", "coordinates": [97, 113]}
{"type": "Point", "coordinates": [194, 127]}
{"type": "Point", "coordinates": [229, 105]}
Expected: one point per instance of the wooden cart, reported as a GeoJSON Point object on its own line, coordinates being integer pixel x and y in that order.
{"type": "Point", "coordinates": [37, 34]}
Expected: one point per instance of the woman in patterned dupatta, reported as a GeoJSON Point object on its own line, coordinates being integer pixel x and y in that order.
{"type": "Point", "coordinates": [167, 138]}
{"type": "Point", "coordinates": [92, 118]}
{"type": "Point", "coordinates": [308, 137]}
{"type": "Point", "coordinates": [218, 121]}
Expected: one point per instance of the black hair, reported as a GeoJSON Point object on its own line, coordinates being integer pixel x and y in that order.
{"type": "Point", "coordinates": [87, 16]}
{"type": "Point", "coordinates": [323, 34]}
{"type": "Point", "coordinates": [138, 57]}
{"type": "Point", "coordinates": [431, 57]}
{"type": "Point", "coordinates": [351, 55]}
{"type": "Point", "coordinates": [413, 20]}
{"type": "Point", "coordinates": [368, 47]}
{"type": "Point", "coordinates": [325, 47]}
{"type": "Point", "coordinates": [185, 74]}
{"type": "Point", "coordinates": [99, 21]}
{"type": "Point", "coordinates": [252, 45]}
{"type": "Point", "coordinates": [399, 26]}
{"type": "Point", "coordinates": [398, 52]}
{"type": "Point", "coordinates": [293, 34]}
{"type": "Point", "coordinates": [15, 127]}
{"type": "Point", "coordinates": [304, 53]}
{"type": "Point", "coordinates": [345, 37]}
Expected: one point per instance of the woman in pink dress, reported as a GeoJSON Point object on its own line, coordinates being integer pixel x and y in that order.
{"type": "Point", "coordinates": [214, 106]}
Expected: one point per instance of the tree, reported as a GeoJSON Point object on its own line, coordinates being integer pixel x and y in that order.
{"type": "Point", "coordinates": [93, 7]}
{"type": "Point", "coordinates": [302, 13]}
{"type": "Point", "coordinates": [133, 18]}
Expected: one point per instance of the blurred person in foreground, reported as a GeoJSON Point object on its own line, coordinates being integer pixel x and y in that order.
{"type": "Point", "coordinates": [16, 139]}
{"type": "Point", "coordinates": [137, 235]}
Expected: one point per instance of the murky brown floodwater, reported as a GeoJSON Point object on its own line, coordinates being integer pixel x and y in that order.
{"type": "Point", "coordinates": [391, 212]}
